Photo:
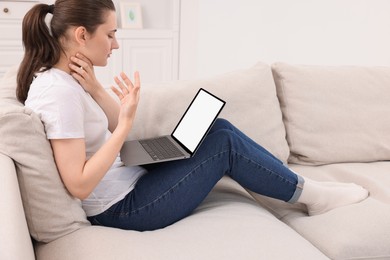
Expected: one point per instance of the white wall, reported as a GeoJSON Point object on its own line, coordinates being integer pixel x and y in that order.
{"type": "Point", "coordinates": [223, 35]}
{"type": "Point", "coordinates": [156, 14]}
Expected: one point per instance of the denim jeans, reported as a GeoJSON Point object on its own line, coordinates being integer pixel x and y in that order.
{"type": "Point", "coordinates": [170, 191]}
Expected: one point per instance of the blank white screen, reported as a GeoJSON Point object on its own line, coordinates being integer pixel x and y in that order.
{"type": "Point", "coordinates": [197, 120]}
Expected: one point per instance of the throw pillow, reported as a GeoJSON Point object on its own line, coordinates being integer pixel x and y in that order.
{"type": "Point", "coordinates": [51, 212]}
{"type": "Point", "coordinates": [335, 113]}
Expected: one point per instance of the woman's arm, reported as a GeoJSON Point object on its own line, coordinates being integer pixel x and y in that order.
{"type": "Point", "coordinates": [81, 176]}
{"type": "Point", "coordinates": [87, 79]}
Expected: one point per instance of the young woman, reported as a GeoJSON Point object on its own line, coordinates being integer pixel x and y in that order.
{"type": "Point", "coordinates": [56, 79]}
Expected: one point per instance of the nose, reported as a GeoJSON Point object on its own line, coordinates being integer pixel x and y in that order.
{"type": "Point", "coordinates": [115, 44]}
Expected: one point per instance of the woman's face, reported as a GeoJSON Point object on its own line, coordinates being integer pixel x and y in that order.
{"type": "Point", "coordinates": [100, 44]}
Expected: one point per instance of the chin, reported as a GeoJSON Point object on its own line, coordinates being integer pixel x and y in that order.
{"type": "Point", "coordinates": [100, 64]}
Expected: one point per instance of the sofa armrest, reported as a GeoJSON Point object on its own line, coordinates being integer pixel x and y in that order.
{"type": "Point", "coordinates": [15, 241]}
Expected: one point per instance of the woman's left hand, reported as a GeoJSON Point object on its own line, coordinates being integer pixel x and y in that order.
{"type": "Point", "coordinates": [82, 70]}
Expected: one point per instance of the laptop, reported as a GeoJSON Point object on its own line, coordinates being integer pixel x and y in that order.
{"type": "Point", "coordinates": [184, 140]}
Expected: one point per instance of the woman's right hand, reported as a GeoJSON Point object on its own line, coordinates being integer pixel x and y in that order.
{"type": "Point", "coordinates": [83, 71]}
{"type": "Point", "coordinates": [128, 94]}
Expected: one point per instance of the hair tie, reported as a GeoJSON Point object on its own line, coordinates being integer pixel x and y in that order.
{"type": "Point", "coordinates": [51, 9]}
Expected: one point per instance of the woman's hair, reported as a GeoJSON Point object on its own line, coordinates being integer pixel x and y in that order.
{"type": "Point", "coordinates": [42, 45]}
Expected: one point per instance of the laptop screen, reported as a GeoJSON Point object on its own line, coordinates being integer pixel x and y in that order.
{"type": "Point", "coordinates": [198, 119]}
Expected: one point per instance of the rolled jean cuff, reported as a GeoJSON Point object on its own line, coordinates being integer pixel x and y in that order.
{"type": "Point", "coordinates": [298, 190]}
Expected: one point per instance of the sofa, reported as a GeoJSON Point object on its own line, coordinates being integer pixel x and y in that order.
{"type": "Point", "coordinates": [329, 123]}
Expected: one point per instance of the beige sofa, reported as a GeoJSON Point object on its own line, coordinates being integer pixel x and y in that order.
{"type": "Point", "coordinates": [329, 123]}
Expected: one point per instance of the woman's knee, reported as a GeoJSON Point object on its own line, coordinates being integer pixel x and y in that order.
{"type": "Point", "coordinates": [221, 123]}
{"type": "Point", "coordinates": [224, 137]}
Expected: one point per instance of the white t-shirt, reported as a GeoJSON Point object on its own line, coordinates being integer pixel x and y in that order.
{"type": "Point", "coordinates": [68, 111]}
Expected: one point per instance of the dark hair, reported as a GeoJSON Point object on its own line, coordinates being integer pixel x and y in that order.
{"type": "Point", "coordinates": [42, 45]}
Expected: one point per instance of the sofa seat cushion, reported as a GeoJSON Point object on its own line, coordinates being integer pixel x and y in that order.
{"type": "Point", "coordinates": [252, 106]}
{"type": "Point", "coordinates": [229, 224]}
{"type": "Point", "coordinates": [335, 113]}
{"type": "Point", "coordinates": [358, 231]}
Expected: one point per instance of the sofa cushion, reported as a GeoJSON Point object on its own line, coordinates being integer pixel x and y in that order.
{"type": "Point", "coordinates": [357, 231]}
{"type": "Point", "coordinates": [335, 113]}
{"type": "Point", "coordinates": [50, 211]}
{"type": "Point", "coordinates": [252, 105]}
{"type": "Point", "coordinates": [15, 241]}
{"type": "Point", "coordinates": [228, 225]}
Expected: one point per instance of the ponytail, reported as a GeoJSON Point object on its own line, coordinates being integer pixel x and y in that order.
{"type": "Point", "coordinates": [42, 46]}
{"type": "Point", "coordinates": [42, 50]}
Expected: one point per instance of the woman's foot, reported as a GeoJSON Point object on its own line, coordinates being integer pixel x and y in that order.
{"type": "Point", "coordinates": [321, 197]}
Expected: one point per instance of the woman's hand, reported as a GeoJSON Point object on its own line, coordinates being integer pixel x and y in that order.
{"type": "Point", "coordinates": [82, 70]}
{"type": "Point", "coordinates": [128, 94]}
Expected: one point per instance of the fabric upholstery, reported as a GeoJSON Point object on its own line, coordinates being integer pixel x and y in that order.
{"type": "Point", "coordinates": [335, 113]}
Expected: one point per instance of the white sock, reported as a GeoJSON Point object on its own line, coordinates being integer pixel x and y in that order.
{"type": "Point", "coordinates": [321, 197]}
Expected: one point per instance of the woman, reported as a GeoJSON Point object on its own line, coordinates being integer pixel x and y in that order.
{"type": "Point", "coordinates": [56, 79]}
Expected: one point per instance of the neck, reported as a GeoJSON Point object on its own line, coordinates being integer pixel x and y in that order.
{"type": "Point", "coordinates": [63, 63]}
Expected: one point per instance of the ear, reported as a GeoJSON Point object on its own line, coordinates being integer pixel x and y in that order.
{"type": "Point", "coordinates": [81, 35]}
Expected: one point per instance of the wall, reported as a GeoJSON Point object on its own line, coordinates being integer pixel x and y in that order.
{"type": "Point", "coordinates": [223, 35]}
{"type": "Point", "coordinates": [156, 14]}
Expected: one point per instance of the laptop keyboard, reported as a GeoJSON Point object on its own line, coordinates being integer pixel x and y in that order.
{"type": "Point", "coordinates": [161, 148]}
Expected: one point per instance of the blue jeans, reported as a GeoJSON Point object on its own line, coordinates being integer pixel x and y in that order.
{"type": "Point", "coordinates": [170, 191]}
